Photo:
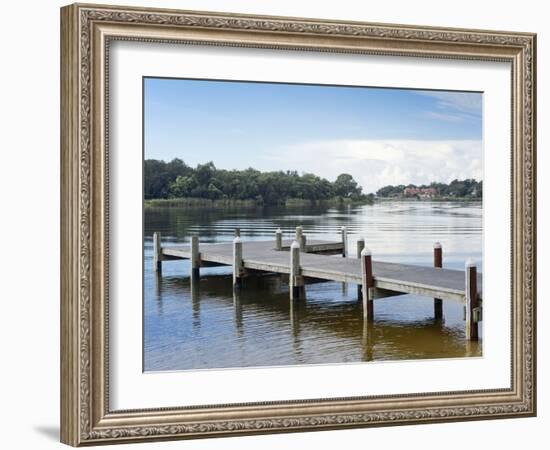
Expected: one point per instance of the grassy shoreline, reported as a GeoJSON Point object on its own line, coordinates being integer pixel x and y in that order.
{"type": "Point", "coordinates": [192, 202]}
{"type": "Point", "coordinates": [436, 199]}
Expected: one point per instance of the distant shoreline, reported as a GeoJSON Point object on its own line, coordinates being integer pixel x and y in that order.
{"type": "Point", "coordinates": [193, 202]}
{"type": "Point", "coordinates": [435, 199]}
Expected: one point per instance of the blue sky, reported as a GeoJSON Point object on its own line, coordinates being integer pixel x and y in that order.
{"type": "Point", "coordinates": [380, 136]}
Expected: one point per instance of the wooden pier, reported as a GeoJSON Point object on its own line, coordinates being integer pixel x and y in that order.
{"type": "Point", "coordinates": [302, 259]}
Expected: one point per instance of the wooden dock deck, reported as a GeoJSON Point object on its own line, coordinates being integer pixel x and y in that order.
{"type": "Point", "coordinates": [312, 260]}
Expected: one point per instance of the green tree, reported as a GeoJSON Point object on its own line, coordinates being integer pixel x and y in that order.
{"type": "Point", "coordinates": [346, 186]}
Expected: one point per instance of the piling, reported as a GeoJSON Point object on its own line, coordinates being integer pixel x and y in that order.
{"type": "Point", "coordinates": [368, 284]}
{"type": "Point", "coordinates": [360, 247]}
{"type": "Point", "coordinates": [438, 263]}
{"type": "Point", "coordinates": [278, 239]}
{"type": "Point", "coordinates": [300, 238]}
{"type": "Point", "coordinates": [195, 258]}
{"type": "Point", "coordinates": [237, 262]}
{"type": "Point", "coordinates": [344, 232]}
{"type": "Point", "coordinates": [157, 252]}
{"type": "Point", "coordinates": [237, 232]}
{"type": "Point", "coordinates": [296, 280]}
{"type": "Point", "coordinates": [472, 303]}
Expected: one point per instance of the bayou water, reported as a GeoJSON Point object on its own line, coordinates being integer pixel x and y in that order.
{"type": "Point", "coordinates": [208, 326]}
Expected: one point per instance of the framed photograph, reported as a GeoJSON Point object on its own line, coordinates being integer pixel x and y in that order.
{"type": "Point", "coordinates": [276, 224]}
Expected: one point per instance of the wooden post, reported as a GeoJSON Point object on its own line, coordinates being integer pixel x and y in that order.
{"type": "Point", "coordinates": [471, 300]}
{"type": "Point", "coordinates": [295, 280]}
{"type": "Point", "coordinates": [360, 247]}
{"type": "Point", "coordinates": [195, 258]}
{"type": "Point", "coordinates": [368, 284]}
{"type": "Point", "coordinates": [438, 262]}
{"type": "Point", "coordinates": [299, 237]}
{"type": "Point", "coordinates": [237, 232]}
{"type": "Point", "coordinates": [303, 243]}
{"type": "Point", "coordinates": [237, 262]}
{"type": "Point", "coordinates": [157, 252]}
{"type": "Point", "coordinates": [344, 242]}
{"type": "Point", "coordinates": [278, 239]}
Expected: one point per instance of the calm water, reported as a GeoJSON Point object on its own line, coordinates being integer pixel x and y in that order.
{"type": "Point", "coordinates": [207, 326]}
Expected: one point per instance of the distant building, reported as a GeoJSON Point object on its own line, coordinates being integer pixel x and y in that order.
{"type": "Point", "coordinates": [420, 192]}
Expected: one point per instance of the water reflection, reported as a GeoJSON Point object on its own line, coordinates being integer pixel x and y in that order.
{"type": "Point", "coordinates": [206, 324]}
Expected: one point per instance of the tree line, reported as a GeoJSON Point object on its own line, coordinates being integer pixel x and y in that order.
{"type": "Point", "coordinates": [175, 179]}
{"type": "Point", "coordinates": [468, 188]}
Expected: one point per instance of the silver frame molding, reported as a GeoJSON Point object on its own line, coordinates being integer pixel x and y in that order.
{"type": "Point", "coordinates": [86, 32]}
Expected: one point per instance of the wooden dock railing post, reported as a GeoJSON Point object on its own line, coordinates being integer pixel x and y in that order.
{"type": "Point", "coordinates": [300, 239]}
{"type": "Point", "coordinates": [438, 262]}
{"type": "Point", "coordinates": [368, 284]}
{"type": "Point", "coordinates": [360, 247]}
{"type": "Point", "coordinates": [195, 258]}
{"type": "Point", "coordinates": [344, 241]}
{"type": "Point", "coordinates": [157, 252]}
{"type": "Point", "coordinates": [471, 301]}
{"type": "Point", "coordinates": [296, 281]}
{"type": "Point", "coordinates": [278, 239]}
{"type": "Point", "coordinates": [237, 262]}
{"type": "Point", "coordinates": [237, 232]}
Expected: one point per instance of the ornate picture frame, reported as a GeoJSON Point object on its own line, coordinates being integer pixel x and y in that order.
{"type": "Point", "coordinates": [86, 34]}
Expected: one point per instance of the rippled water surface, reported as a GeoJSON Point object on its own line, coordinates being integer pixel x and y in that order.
{"type": "Point", "coordinates": [207, 326]}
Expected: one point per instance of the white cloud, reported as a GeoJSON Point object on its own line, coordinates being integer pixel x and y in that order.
{"type": "Point", "coordinates": [377, 163]}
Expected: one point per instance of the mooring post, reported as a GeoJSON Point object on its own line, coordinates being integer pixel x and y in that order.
{"type": "Point", "coordinates": [368, 284]}
{"type": "Point", "coordinates": [237, 262]}
{"type": "Point", "coordinates": [471, 301]}
{"type": "Point", "coordinates": [360, 247]}
{"type": "Point", "coordinates": [157, 252]}
{"type": "Point", "coordinates": [195, 258]}
{"type": "Point", "coordinates": [278, 239]}
{"type": "Point", "coordinates": [344, 232]}
{"type": "Point", "coordinates": [237, 232]}
{"type": "Point", "coordinates": [438, 263]}
{"type": "Point", "coordinates": [296, 281]}
{"type": "Point", "coordinates": [300, 237]}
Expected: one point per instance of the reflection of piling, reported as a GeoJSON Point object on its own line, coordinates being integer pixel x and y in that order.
{"type": "Point", "coordinates": [195, 258]}
{"type": "Point", "coordinates": [278, 239]}
{"type": "Point", "coordinates": [195, 302]}
{"type": "Point", "coordinates": [344, 232]}
{"type": "Point", "coordinates": [368, 284]}
{"type": "Point", "coordinates": [344, 289]}
{"type": "Point", "coordinates": [438, 263]}
{"type": "Point", "coordinates": [472, 305]}
{"type": "Point", "coordinates": [296, 280]}
{"type": "Point", "coordinates": [368, 340]}
{"type": "Point", "coordinates": [158, 291]}
{"type": "Point", "coordinates": [294, 319]}
{"type": "Point", "coordinates": [157, 252]}
{"type": "Point", "coordinates": [360, 247]}
{"type": "Point", "coordinates": [237, 262]}
{"type": "Point", "coordinates": [238, 311]}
